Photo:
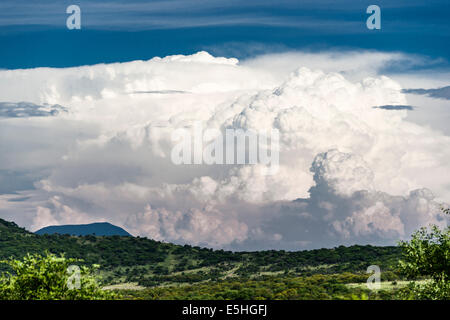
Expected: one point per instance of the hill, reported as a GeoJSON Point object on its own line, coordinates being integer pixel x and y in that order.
{"type": "Point", "coordinates": [98, 228]}
{"type": "Point", "coordinates": [150, 263]}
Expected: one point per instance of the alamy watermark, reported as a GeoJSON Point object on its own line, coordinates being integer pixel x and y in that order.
{"type": "Point", "coordinates": [374, 20]}
{"type": "Point", "coordinates": [374, 281]}
{"type": "Point", "coordinates": [210, 146]}
{"type": "Point", "coordinates": [74, 280]}
{"type": "Point", "coordinates": [74, 20]}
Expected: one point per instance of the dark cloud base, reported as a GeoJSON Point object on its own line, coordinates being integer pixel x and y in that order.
{"type": "Point", "coordinates": [395, 107]}
{"type": "Point", "coordinates": [29, 109]}
{"type": "Point", "coordinates": [438, 93]}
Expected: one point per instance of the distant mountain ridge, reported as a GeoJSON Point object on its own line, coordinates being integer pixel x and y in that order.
{"type": "Point", "coordinates": [98, 229]}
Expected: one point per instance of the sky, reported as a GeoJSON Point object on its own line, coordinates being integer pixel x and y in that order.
{"type": "Point", "coordinates": [87, 118]}
{"type": "Point", "coordinates": [35, 32]}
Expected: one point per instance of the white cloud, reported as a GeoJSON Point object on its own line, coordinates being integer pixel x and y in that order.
{"type": "Point", "coordinates": [57, 213]}
{"type": "Point", "coordinates": [199, 227]}
{"type": "Point", "coordinates": [345, 173]}
{"type": "Point", "coordinates": [352, 168]}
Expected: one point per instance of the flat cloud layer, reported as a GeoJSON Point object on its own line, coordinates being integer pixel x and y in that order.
{"type": "Point", "coordinates": [25, 110]}
{"type": "Point", "coordinates": [440, 93]}
{"type": "Point", "coordinates": [349, 172]}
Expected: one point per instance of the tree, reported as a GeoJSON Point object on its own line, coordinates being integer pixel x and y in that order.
{"type": "Point", "coordinates": [427, 254]}
{"type": "Point", "coordinates": [49, 277]}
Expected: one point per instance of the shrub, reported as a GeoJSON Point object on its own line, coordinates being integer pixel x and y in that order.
{"type": "Point", "coordinates": [428, 255]}
{"type": "Point", "coordinates": [47, 277]}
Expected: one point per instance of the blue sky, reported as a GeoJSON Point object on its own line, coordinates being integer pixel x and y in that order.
{"type": "Point", "coordinates": [34, 34]}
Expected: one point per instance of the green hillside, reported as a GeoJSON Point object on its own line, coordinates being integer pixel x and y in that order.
{"type": "Point", "coordinates": [151, 263]}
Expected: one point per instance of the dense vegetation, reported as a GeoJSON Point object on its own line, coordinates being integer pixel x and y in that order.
{"type": "Point", "coordinates": [428, 254]}
{"type": "Point", "coordinates": [47, 278]}
{"type": "Point", "coordinates": [266, 287]}
{"type": "Point", "coordinates": [150, 263]}
{"type": "Point", "coordinates": [282, 287]}
{"type": "Point", "coordinates": [168, 271]}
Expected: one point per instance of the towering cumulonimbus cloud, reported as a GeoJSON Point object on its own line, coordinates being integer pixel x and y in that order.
{"type": "Point", "coordinates": [349, 172]}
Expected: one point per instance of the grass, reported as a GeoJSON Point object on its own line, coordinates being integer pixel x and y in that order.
{"type": "Point", "coordinates": [124, 286]}
{"type": "Point", "coordinates": [387, 285]}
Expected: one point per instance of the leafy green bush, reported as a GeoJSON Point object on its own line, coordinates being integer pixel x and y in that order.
{"type": "Point", "coordinates": [428, 255]}
{"type": "Point", "coordinates": [48, 277]}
